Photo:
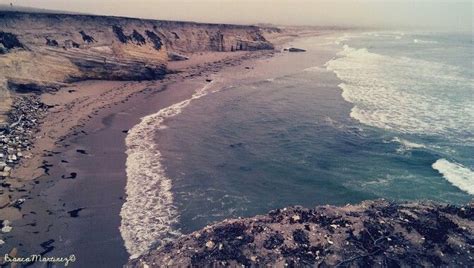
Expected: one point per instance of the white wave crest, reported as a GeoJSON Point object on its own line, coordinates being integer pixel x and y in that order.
{"type": "Point", "coordinates": [404, 94]}
{"type": "Point", "coordinates": [406, 145]}
{"type": "Point", "coordinates": [391, 34]}
{"type": "Point", "coordinates": [342, 39]}
{"type": "Point", "coordinates": [419, 41]}
{"type": "Point", "coordinates": [315, 69]}
{"type": "Point", "coordinates": [458, 175]}
{"type": "Point", "coordinates": [148, 212]}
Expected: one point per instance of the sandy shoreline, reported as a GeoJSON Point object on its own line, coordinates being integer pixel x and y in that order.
{"type": "Point", "coordinates": [82, 142]}
{"type": "Point", "coordinates": [75, 208]}
{"type": "Point", "coordinates": [133, 142]}
{"type": "Point", "coordinates": [101, 179]}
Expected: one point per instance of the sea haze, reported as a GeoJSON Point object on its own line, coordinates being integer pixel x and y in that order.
{"type": "Point", "coordinates": [378, 115]}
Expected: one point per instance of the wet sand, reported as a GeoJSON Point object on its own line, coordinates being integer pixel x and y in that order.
{"type": "Point", "coordinates": [75, 177]}
{"type": "Point", "coordinates": [96, 160]}
{"type": "Point", "coordinates": [74, 199]}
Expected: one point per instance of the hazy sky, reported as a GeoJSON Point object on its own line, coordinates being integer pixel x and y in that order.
{"type": "Point", "coordinates": [443, 15]}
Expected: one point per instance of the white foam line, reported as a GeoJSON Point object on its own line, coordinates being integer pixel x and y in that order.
{"type": "Point", "coordinates": [391, 93]}
{"type": "Point", "coordinates": [419, 41]}
{"type": "Point", "coordinates": [406, 145]}
{"type": "Point", "coordinates": [458, 175]}
{"type": "Point", "coordinates": [148, 212]}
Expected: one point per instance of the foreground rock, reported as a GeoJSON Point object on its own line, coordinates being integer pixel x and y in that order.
{"type": "Point", "coordinates": [374, 233]}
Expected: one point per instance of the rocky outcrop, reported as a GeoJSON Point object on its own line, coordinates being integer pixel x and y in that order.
{"type": "Point", "coordinates": [373, 233]}
{"type": "Point", "coordinates": [39, 49]}
{"type": "Point", "coordinates": [172, 56]}
{"type": "Point", "coordinates": [294, 49]}
{"type": "Point", "coordinates": [8, 41]}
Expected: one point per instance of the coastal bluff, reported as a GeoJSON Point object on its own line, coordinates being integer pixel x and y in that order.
{"type": "Point", "coordinates": [43, 51]}
{"type": "Point", "coordinates": [371, 234]}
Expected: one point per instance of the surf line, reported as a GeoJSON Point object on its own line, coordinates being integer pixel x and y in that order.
{"type": "Point", "coordinates": [148, 212]}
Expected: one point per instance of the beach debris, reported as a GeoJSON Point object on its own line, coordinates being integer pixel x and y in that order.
{"type": "Point", "coordinates": [295, 218]}
{"type": "Point", "coordinates": [45, 167]}
{"type": "Point", "coordinates": [15, 139]}
{"type": "Point", "coordinates": [6, 228]}
{"type": "Point", "coordinates": [210, 244]}
{"type": "Point", "coordinates": [17, 203]}
{"type": "Point", "coordinates": [72, 175]}
{"type": "Point", "coordinates": [81, 151]}
{"type": "Point", "coordinates": [75, 212]}
{"type": "Point", "coordinates": [47, 246]}
{"type": "Point", "coordinates": [17, 122]}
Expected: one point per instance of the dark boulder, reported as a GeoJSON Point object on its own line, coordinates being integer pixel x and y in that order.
{"type": "Point", "coordinates": [294, 49]}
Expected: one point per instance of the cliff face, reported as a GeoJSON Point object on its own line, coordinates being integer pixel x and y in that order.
{"type": "Point", "coordinates": [374, 233]}
{"type": "Point", "coordinates": [40, 51]}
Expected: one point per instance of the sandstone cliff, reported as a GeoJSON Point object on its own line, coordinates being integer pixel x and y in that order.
{"type": "Point", "coordinates": [371, 234]}
{"type": "Point", "coordinates": [40, 51]}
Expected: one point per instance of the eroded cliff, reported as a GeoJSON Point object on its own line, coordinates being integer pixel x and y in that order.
{"type": "Point", "coordinates": [41, 51]}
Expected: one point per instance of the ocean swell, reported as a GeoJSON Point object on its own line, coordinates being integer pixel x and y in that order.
{"type": "Point", "coordinates": [406, 145]}
{"type": "Point", "coordinates": [456, 174]}
{"type": "Point", "coordinates": [148, 212]}
{"type": "Point", "coordinates": [404, 94]}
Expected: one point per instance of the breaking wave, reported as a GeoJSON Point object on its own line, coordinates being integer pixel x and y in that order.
{"type": "Point", "coordinates": [457, 174]}
{"type": "Point", "coordinates": [412, 97]}
{"type": "Point", "coordinates": [406, 145]}
{"type": "Point", "coordinates": [419, 41]}
{"type": "Point", "coordinates": [404, 94]}
{"type": "Point", "coordinates": [148, 212]}
{"type": "Point", "coordinates": [315, 69]}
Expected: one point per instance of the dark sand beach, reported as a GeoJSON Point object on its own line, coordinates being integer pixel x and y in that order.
{"type": "Point", "coordinates": [279, 132]}
{"type": "Point", "coordinates": [74, 207]}
{"type": "Point", "coordinates": [93, 198]}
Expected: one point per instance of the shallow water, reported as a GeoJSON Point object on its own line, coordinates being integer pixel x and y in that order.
{"type": "Point", "coordinates": [376, 121]}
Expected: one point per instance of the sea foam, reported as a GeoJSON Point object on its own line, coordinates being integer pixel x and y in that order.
{"type": "Point", "coordinates": [404, 94]}
{"type": "Point", "coordinates": [148, 212]}
{"type": "Point", "coordinates": [420, 41]}
{"type": "Point", "coordinates": [406, 145]}
{"type": "Point", "coordinates": [457, 174]}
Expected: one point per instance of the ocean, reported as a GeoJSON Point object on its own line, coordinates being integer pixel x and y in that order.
{"type": "Point", "coordinates": [359, 116]}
